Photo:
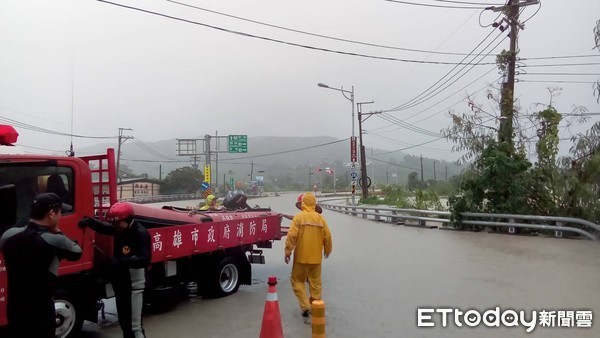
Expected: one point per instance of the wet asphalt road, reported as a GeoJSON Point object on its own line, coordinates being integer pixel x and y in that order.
{"type": "Point", "coordinates": [379, 274]}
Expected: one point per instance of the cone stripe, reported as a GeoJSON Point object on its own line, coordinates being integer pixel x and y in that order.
{"type": "Point", "coordinates": [271, 297]}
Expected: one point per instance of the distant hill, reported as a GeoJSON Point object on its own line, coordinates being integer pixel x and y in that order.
{"type": "Point", "coordinates": [279, 160]}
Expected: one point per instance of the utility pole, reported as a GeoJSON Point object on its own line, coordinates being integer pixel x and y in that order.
{"type": "Point", "coordinates": [511, 9]}
{"type": "Point", "coordinates": [193, 148]}
{"type": "Point", "coordinates": [122, 140]}
{"type": "Point", "coordinates": [422, 179]}
{"type": "Point", "coordinates": [434, 173]}
{"type": "Point", "coordinates": [363, 157]}
{"type": "Point", "coordinates": [251, 169]}
{"type": "Point", "coordinates": [446, 173]}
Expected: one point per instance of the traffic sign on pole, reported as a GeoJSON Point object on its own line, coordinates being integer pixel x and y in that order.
{"type": "Point", "coordinates": [237, 143]}
{"type": "Point", "coordinates": [353, 149]}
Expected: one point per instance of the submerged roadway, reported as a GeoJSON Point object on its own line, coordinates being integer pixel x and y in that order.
{"type": "Point", "coordinates": [379, 275]}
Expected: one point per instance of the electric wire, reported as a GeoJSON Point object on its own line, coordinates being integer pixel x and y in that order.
{"type": "Point", "coordinates": [436, 6]}
{"type": "Point", "coordinates": [451, 95]}
{"type": "Point", "coordinates": [565, 74]}
{"type": "Point", "coordinates": [283, 152]}
{"type": "Point", "coordinates": [285, 42]}
{"type": "Point", "coordinates": [432, 94]}
{"type": "Point", "coordinates": [150, 150]}
{"type": "Point", "coordinates": [31, 127]}
{"type": "Point", "coordinates": [562, 65]}
{"type": "Point", "coordinates": [407, 126]}
{"type": "Point", "coordinates": [400, 107]}
{"type": "Point", "coordinates": [314, 34]}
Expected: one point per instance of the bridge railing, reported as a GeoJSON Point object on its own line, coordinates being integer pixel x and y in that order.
{"type": "Point", "coordinates": [424, 218]}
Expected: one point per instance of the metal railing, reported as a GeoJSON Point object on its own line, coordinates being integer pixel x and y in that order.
{"type": "Point", "coordinates": [512, 222]}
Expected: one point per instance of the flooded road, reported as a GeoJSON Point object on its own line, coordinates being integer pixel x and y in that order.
{"type": "Point", "coordinates": [379, 274]}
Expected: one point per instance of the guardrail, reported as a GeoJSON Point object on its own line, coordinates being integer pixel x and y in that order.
{"type": "Point", "coordinates": [512, 222]}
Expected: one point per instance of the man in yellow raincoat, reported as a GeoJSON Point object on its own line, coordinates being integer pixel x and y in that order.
{"type": "Point", "coordinates": [210, 204]}
{"type": "Point", "coordinates": [310, 239]}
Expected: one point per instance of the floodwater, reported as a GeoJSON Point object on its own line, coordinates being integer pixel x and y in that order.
{"type": "Point", "coordinates": [380, 274]}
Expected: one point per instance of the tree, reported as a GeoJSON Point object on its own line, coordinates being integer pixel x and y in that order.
{"type": "Point", "coordinates": [125, 171]}
{"type": "Point", "coordinates": [413, 180]}
{"type": "Point", "coordinates": [182, 181]}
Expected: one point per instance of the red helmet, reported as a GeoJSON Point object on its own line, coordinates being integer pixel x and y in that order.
{"type": "Point", "coordinates": [119, 211]}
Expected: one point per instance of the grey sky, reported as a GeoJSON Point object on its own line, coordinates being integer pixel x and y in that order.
{"type": "Point", "coordinates": [170, 79]}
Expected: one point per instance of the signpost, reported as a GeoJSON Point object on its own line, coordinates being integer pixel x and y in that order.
{"type": "Point", "coordinates": [237, 143]}
{"type": "Point", "coordinates": [207, 174]}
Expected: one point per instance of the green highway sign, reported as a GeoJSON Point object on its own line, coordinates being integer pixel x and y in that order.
{"type": "Point", "coordinates": [237, 143]}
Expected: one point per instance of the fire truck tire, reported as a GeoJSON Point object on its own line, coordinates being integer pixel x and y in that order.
{"type": "Point", "coordinates": [69, 319]}
{"type": "Point", "coordinates": [224, 278]}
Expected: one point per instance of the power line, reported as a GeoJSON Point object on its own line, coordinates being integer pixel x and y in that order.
{"type": "Point", "coordinates": [285, 42]}
{"type": "Point", "coordinates": [406, 143]}
{"type": "Point", "coordinates": [148, 149]}
{"type": "Point", "coordinates": [437, 6]}
{"type": "Point", "coordinates": [314, 34]}
{"type": "Point", "coordinates": [283, 152]}
{"type": "Point", "coordinates": [557, 57]}
{"type": "Point", "coordinates": [447, 97]}
{"type": "Point", "coordinates": [429, 92]}
{"type": "Point", "coordinates": [469, 3]}
{"type": "Point", "coordinates": [407, 125]}
{"type": "Point", "coordinates": [31, 127]}
{"type": "Point", "coordinates": [568, 74]}
{"type": "Point", "coordinates": [562, 65]}
{"type": "Point", "coordinates": [557, 81]}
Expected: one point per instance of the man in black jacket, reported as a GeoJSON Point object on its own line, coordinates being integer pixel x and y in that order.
{"type": "Point", "coordinates": [32, 255]}
{"type": "Point", "coordinates": [131, 256]}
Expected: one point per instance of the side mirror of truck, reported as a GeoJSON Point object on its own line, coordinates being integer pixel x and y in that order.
{"type": "Point", "coordinates": [8, 207]}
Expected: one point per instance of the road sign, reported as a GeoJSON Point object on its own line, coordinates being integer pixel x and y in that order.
{"type": "Point", "coordinates": [354, 176]}
{"type": "Point", "coordinates": [353, 149]}
{"type": "Point", "coordinates": [205, 185]}
{"type": "Point", "coordinates": [237, 143]}
{"type": "Point", "coordinates": [207, 174]}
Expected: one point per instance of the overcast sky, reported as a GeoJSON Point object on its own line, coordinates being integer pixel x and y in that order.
{"type": "Point", "coordinates": [96, 67]}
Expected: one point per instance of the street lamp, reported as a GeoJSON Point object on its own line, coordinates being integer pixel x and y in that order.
{"type": "Point", "coordinates": [352, 139]}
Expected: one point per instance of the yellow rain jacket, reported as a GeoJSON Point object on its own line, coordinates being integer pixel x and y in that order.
{"type": "Point", "coordinates": [309, 234]}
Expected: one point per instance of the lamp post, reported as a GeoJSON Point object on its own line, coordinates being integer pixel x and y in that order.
{"type": "Point", "coordinates": [352, 139]}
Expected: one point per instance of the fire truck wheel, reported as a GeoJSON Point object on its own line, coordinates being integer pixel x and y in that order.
{"type": "Point", "coordinates": [68, 318]}
{"type": "Point", "coordinates": [224, 278]}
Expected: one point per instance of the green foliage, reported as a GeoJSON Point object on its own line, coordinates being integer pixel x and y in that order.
{"type": "Point", "coordinates": [427, 200]}
{"type": "Point", "coordinates": [413, 180]}
{"type": "Point", "coordinates": [182, 181]}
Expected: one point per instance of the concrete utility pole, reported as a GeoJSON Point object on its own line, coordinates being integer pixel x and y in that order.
{"type": "Point", "coordinates": [434, 173]}
{"type": "Point", "coordinates": [422, 178]}
{"type": "Point", "coordinates": [511, 9]}
{"type": "Point", "coordinates": [363, 157]}
{"type": "Point", "coordinates": [122, 140]}
{"type": "Point", "coordinates": [195, 148]}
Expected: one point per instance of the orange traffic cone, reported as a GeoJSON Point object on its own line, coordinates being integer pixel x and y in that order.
{"type": "Point", "coordinates": [271, 324]}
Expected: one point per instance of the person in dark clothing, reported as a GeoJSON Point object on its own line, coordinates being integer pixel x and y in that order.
{"type": "Point", "coordinates": [32, 255]}
{"type": "Point", "coordinates": [131, 257]}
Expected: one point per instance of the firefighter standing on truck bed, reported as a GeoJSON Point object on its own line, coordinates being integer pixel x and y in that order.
{"type": "Point", "coordinates": [32, 254]}
{"type": "Point", "coordinates": [131, 257]}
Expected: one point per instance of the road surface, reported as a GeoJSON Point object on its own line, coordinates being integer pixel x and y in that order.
{"type": "Point", "coordinates": [380, 274]}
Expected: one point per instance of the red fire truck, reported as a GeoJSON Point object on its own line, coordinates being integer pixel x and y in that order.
{"type": "Point", "coordinates": [212, 250]}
